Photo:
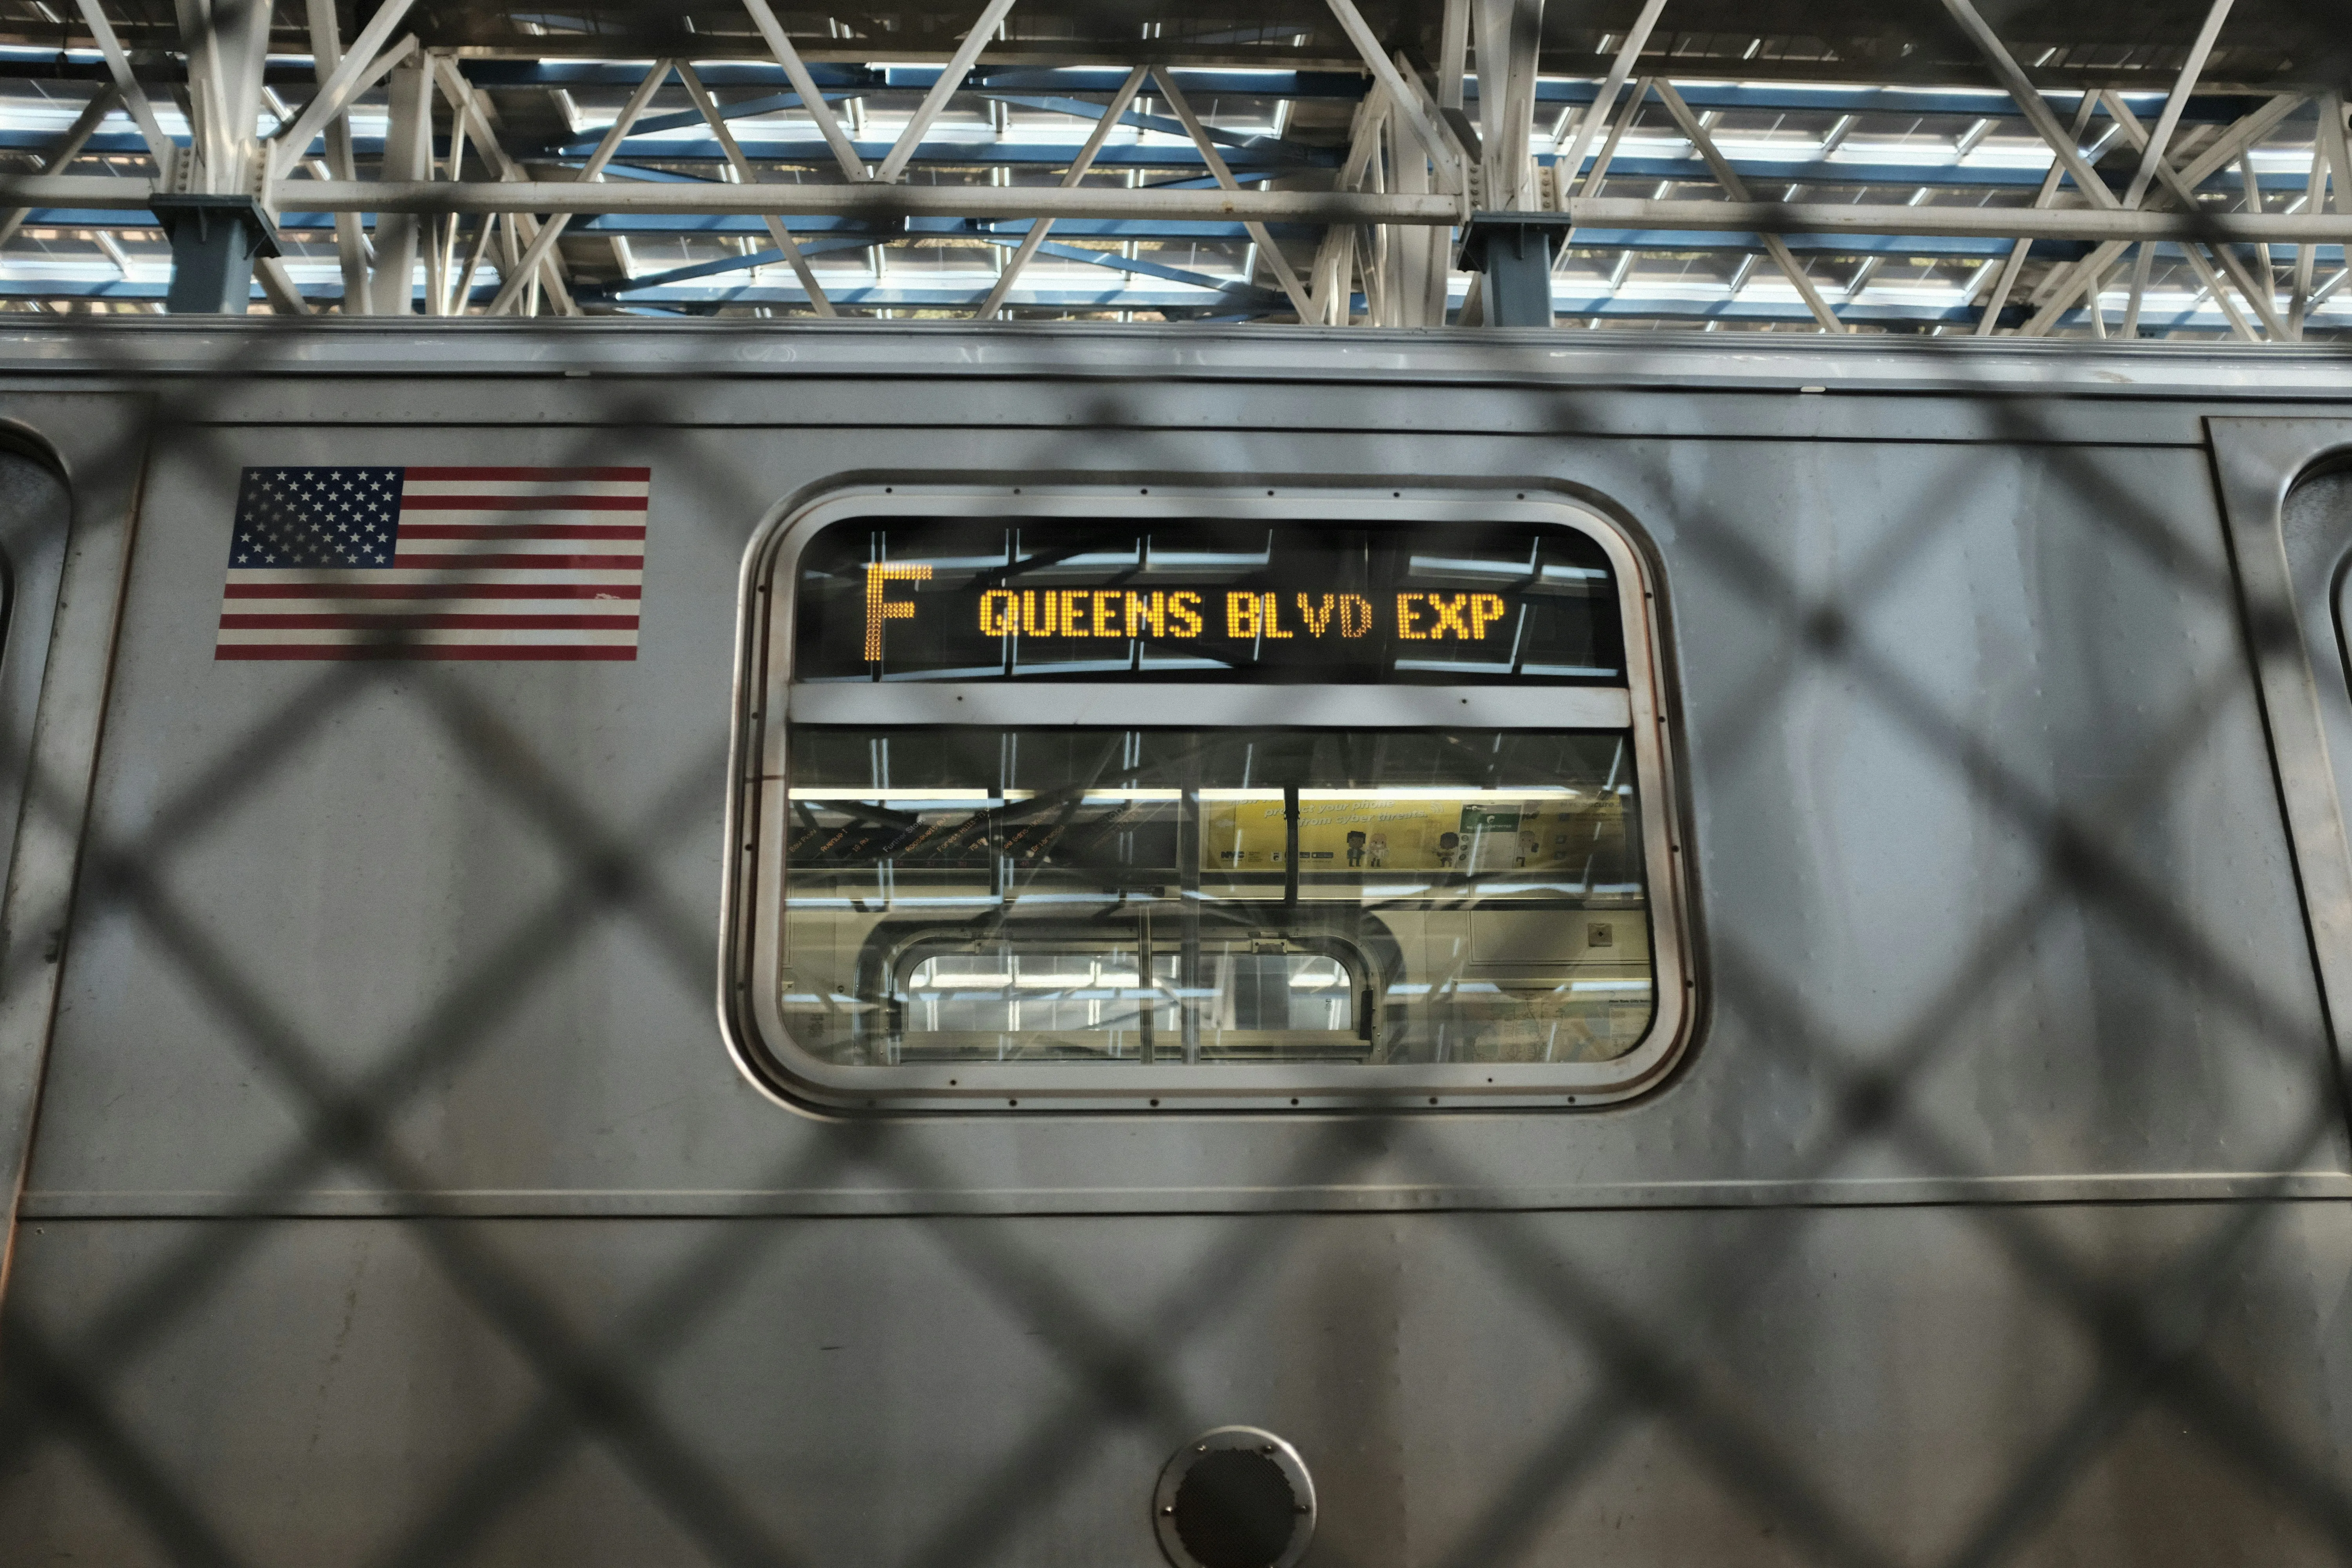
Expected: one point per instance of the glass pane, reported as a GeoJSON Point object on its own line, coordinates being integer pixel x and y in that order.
{"type": "Point", "coordinates": [924, 599]}
{"type": "Point", "coordinates": [1174, 895]}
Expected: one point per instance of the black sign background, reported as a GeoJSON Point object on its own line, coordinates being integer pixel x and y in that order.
{"type": "Point", "coordinates": [914, 598]}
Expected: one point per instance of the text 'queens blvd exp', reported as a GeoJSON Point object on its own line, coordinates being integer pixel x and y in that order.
{"type": "Point", "coordinates": [1184, 614]}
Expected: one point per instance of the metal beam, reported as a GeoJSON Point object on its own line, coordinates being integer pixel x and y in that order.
{"type": "Point", "coordinates": [358, 70]}
{"type": "Point", "coordinates": [1004, 202]}
{"type": "Point", "coordinates": [2058, 291]}
{"type": "Point", "coordinates": [2069, 281]}
{"type": "Point", "coordinates": [407, 155]}
{"type": "Point", "coordinates": [2152, 155]}
{"type": "Point", "coordinates": [1998, 297]}
{"type": "Point", "coordinates": [1510, 32]}
{"type": "Point", "coordinates": [2326, 156]}
{"type": "Point", "coordinates": [1571, 163]}
{"type": "Point", "coordinates": [941, 91]}
{"type": "Point", "coordinates": [2006, 71]}
{"type": "Point", "coordinates": [1256, 149]}
{"type": "Point", "coordinates": [224, 43]}
{"type": "Point", "coordinates": [777, 231]}
{"type": "Point", "coordinates": [1112, 115]}
{"type": "Point", "coordinates": [796, 71]}
{"type": "Point", "coordinates": [1330, 278]}
{"type": "Point", "coordinates": [1736, 190]}
{"type": "Point", "coordinates": [1276, 262]}
{"type": "Point", "coordinates": [1385, 72]}
{"type": "Point", "coordinates": [464, 102]}
{"type": "Point", "coordinates": [279, 286]}
{"type": "Point", "coordinates": [510, 288]}
{"type": "Point", "coordinates": [1600, 171]}
{"type": "Point", "coordinates": [160, 147]}
{"type": "Point", "coordinates": [351, 242]}
{"type": "Point", "coordinates": [807, 228]}
{"type": "Point", "coordinates": [2257, 294]}
{"type": "Point", "coordinates": [64, 150]}
{"type": "Point", "coordinates": [1453, 52]}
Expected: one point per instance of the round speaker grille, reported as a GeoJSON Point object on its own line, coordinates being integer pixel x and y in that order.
{"type": "Point", "coordinates": [1234, 1498]}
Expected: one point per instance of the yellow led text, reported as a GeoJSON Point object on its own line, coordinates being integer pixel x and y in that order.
{"type": "Point", "coordinates": [1089, 612]}
{"type": "Point", "coordinates": [1123, 613]}
{"type": "Point", "coordinates": [880, 609]}
{"type": "Point", "coordinates": [1431, 618]}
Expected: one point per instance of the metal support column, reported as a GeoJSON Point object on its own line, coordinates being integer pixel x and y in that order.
{"type": "Point", "coordinates": [1508, 33]}
{"type": "Point", "coordinates": [1188, 891]}
{"type": "Point", "coordinates": [215, 240]}
{"type": "Point", "coordinates": [1512, 252]}
{"type": "Point", "coordinates": [409, 149]}
{"type": "Point", "coordinates": [212, 205]}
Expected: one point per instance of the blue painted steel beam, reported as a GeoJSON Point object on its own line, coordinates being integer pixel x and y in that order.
{"type": "Point", "coordinates": [1236, 293]}
{"type": "Point", "coordinates": [769, 103]}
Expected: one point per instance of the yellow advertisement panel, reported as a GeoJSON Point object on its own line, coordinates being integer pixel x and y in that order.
{"type": "Point", "coordinates": [1469, 832]}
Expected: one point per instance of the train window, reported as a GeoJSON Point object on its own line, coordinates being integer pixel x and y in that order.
{"type": "Point", "coordinates": [1193, 799]}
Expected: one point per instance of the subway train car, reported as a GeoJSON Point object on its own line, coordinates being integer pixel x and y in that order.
{"type": "Point", "coordinates": [881, 943]}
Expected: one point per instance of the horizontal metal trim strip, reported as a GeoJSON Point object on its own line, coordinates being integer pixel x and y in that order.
{"type": "Point", "coordinates": [1129, 704]}
{"type": "Point", "coordinates": [1490, 368]}
{"type": "Point", "coordinates": [882, 1202]}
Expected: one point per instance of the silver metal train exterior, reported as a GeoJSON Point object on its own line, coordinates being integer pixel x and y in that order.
{"type": "Point", "coordinates": [374, 1045]}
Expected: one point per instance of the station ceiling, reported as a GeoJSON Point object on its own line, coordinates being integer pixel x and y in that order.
{"type": "Point", "coordinates": [1884, 103]}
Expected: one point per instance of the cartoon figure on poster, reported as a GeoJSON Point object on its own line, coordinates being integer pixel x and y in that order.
{"type": "Point", "coordinates": [1377, 850]}
{"type": "Point", "coordinates": [1449, 846]}
{"type": "Point", "coordinates": [1355, 848]}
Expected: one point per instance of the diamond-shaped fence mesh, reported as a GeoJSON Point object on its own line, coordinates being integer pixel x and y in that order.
{"type": "Point", "coordinates": [644, 1376]}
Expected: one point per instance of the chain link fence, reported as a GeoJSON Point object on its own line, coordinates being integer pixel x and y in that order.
{"type": "Point", "coordinates": [1692, 1355]}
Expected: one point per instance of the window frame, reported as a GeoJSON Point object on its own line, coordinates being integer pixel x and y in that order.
{"type": "Point", "coordinates": [766, 702]}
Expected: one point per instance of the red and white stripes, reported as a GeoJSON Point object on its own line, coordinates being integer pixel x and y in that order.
{"type": "Point", "coordinates": [490, 563]}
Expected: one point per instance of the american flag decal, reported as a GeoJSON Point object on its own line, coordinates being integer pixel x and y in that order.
{"type": "Point", "coordinates": [531, 563]}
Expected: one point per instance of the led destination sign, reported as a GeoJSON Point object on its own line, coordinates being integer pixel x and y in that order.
{"type": "Point", "coordinates": [1182, 615]}
{"type": "Point", "coordinates": [918, 599]}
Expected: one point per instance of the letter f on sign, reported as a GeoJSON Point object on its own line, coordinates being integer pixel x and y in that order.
{"type": "Point", "coordinates": [880, 609]}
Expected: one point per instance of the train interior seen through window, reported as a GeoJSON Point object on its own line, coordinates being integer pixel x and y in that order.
{"type": "Point", "coordinates": [1228, 894]}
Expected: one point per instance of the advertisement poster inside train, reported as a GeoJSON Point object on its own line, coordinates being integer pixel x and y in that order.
{"type": "Point", "coordinates": [1450, 834]}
